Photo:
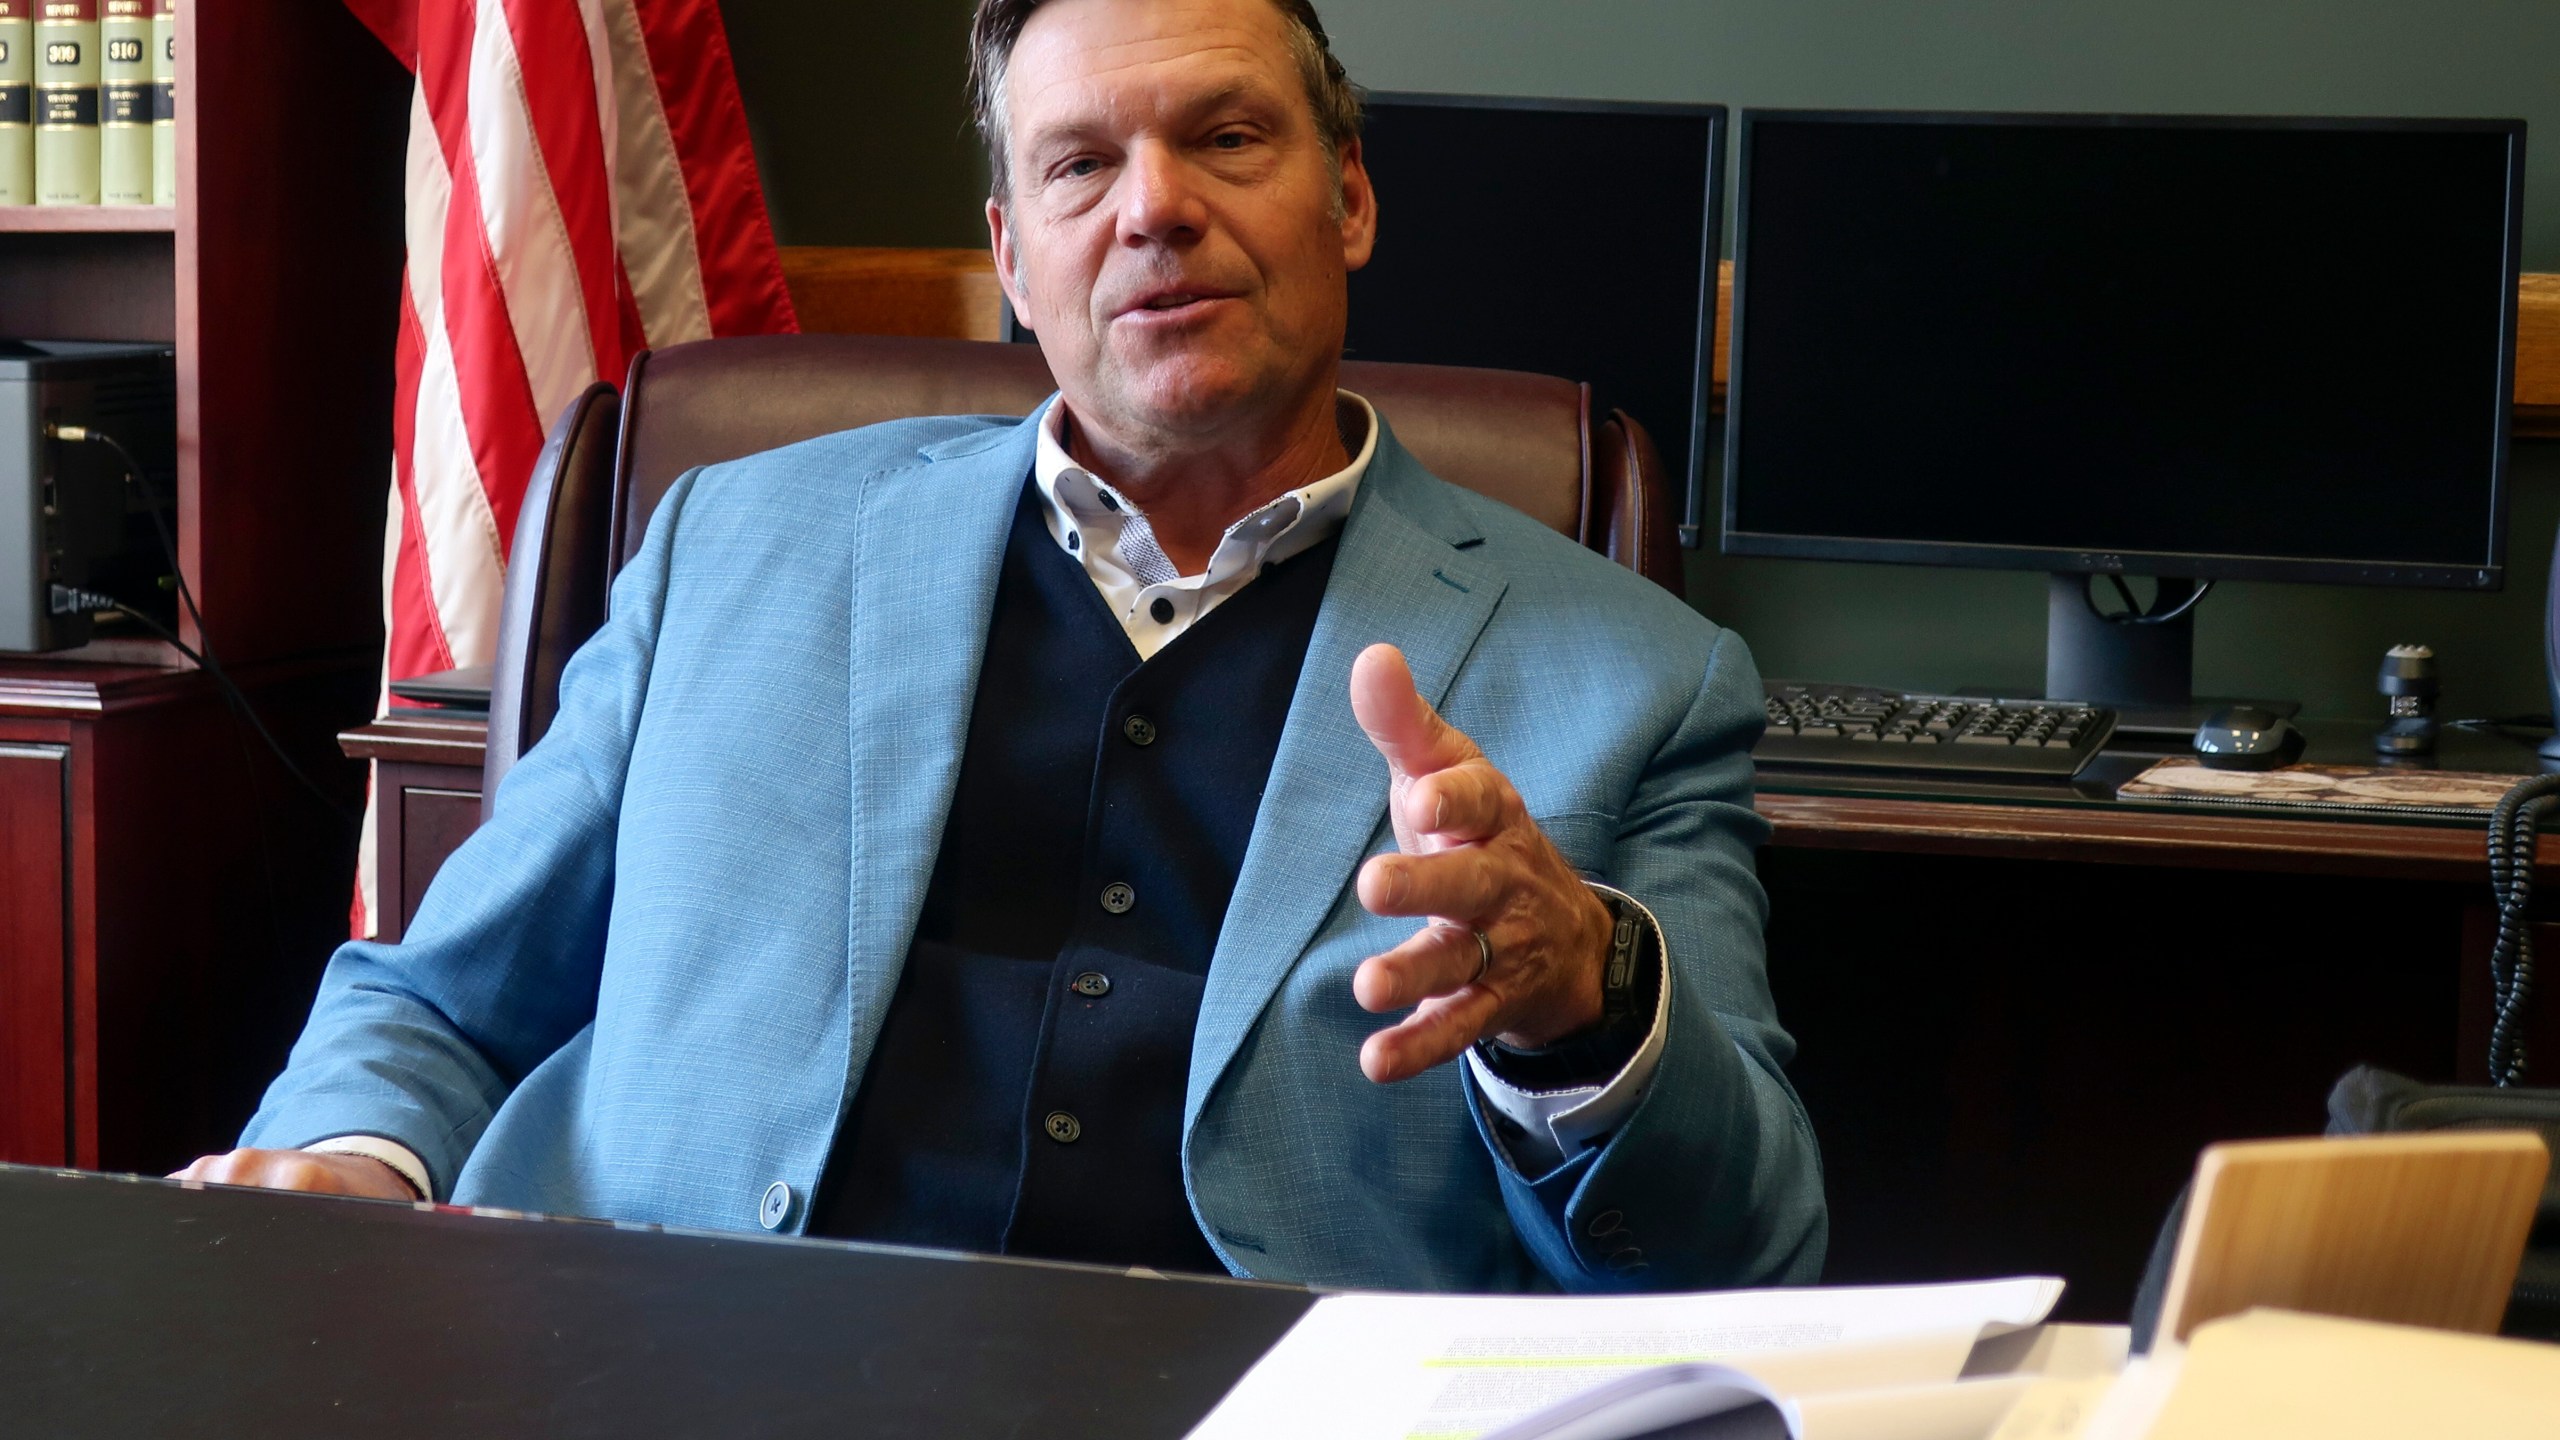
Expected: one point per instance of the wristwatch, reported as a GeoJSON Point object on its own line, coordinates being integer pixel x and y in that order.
{"type": "Point", "coordinates": [1630, 993]}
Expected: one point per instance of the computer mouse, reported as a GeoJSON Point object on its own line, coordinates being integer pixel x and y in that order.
{"type": "Point", "coordinates": [2244, 737]}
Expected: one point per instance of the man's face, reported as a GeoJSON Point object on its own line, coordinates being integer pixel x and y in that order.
{"type": "Point", "coordinates": [1174, 233]}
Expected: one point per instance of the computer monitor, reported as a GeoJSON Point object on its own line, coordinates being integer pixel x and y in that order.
{"type": "Point", "coordinates": [2097, 345]}
{"type": "Point", "coordinates": [1566, 237]}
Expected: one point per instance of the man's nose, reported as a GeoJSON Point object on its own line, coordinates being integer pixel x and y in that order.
{"type": "Point", "coordinates": [1160, 201]}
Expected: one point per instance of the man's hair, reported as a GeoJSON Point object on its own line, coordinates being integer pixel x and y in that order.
{"type": "Point", "coordinates": [998, 24]}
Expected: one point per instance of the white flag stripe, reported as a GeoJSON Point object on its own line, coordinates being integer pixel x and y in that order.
{"type": "Point", "coordinates": [653, 217]}
{"type": "Point", "coordinates": [528, 241]}
{"type": "Point", "coordinates": [600, 64]}
{"type": "Point", "coordinates": [466, 557]}
{"type": "Point", "coordinates": [368, 902]}
{"type": "Point", "coordinates": [430, 192]}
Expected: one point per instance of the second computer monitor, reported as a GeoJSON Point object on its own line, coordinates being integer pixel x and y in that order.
{"type": "Point", "coordinates": [2257, 348]}
{"type": "Point", "coordinates": [1574, 238]}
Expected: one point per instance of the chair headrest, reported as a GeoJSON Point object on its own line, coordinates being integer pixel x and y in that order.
{"type": "Point", "coordinates": [1522, 439]}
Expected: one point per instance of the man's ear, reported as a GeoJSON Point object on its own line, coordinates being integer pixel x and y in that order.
{"type": "Point", "coordinates": [1359, 209]}
{"type": "Point", "coordinates": [1000, 241]}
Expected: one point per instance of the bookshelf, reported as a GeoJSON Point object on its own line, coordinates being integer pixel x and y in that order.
{"type": "Point", "coordinates": [87, 219]}
{"type": "Point", "coordinates": [167, 893]}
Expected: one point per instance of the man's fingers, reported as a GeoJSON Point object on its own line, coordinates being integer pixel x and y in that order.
{"type": "Point", "coordinates": [298, 1170]}
{"type": "Point", "coordinates": [1460, 805]}
{"type": "Point", "coordinates": [1456, 884]}
{"type": "Point", "coordinates": [1406, 730]}
{"type": "Point", "coordinates": [1438, 1031]}
{"type": "Point", "coordinates": [1437, 960]}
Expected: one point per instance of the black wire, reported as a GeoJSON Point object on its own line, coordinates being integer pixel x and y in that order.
{"type": "Point", "coordinates": [239, 704]}
{"type": "Point", "coordinates": [2514, 829]}
{"type": "Point", "coordinates": [2506, 729]}
{"type": "Point", "coordinates": [2133, 613]}
{"type": "Point", "coordinates": [232, 694]}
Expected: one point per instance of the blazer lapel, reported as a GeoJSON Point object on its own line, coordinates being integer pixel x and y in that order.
{"type": "Point", "coordinates": [930, 542]}
{"type": "Point", "coordinates": [1399, 577]}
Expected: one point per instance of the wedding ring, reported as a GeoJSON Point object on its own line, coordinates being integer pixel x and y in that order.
{"type": "Point", "coordinates": [1484, 955]}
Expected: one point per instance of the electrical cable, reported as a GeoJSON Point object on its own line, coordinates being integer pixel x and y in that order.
{"type": "Point", "coordinates": [66, 598]}
{"type": "Point", "coordinates": [2505, 728]}
{"type": "Point", "coordinates": [2514, 828]}
{"type": "Point", "coordinates": [2133, 613]}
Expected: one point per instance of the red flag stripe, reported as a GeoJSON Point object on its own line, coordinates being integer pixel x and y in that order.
{"type": "Point", "coordinates": [555, 62]}
{"type": "Point", "coordinates": [689, 53]}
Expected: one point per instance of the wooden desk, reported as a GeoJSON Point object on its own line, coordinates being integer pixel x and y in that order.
{"type": "Point", "coordinates": [2020, 1010]}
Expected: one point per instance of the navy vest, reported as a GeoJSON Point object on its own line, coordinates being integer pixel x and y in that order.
{"type": "Point", "coordinates": [1026, 1093]}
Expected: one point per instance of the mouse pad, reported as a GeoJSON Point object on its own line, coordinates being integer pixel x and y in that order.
{"type": "Point", "coordinates": [2323, 787]}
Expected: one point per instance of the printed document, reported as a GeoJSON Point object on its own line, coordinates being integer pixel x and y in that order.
{"type": "Point", "coordinates": [1459, 1367]}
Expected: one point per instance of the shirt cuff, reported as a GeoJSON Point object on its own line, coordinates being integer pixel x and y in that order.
{"type": "Point", "coordinates": [1557, 1124]}
{"type": "Point", "coordinates": [402, 1160]}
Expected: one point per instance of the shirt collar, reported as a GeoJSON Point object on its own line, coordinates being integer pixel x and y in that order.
{"type": "Point", "coordinates": [1093, 522]}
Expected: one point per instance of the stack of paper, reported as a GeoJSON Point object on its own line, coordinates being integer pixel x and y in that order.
{"type": "Point", "coordinates": [1840, 1364]}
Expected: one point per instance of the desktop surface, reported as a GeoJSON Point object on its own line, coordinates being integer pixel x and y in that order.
{"type": "Point", "coordinates": [2330, 742]}
{"type": "Point", "coordinates": [132, 1306]}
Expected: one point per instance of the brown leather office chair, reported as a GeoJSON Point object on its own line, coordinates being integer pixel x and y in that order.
{"type": "Point", "coordinates": [1529, 441]}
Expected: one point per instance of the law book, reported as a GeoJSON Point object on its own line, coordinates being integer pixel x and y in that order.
{"type": "Point", "coordinates": [66, 44]}
{"type": "Point", "coordinates": [164, 102]}
{"type": "Point", "coordinates": [124, 102]}
{"type": "Point", "coordinates": [17, 103]}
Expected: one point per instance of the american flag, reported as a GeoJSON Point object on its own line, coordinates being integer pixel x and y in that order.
{"type": "Point", "coordinates": [580, 187]}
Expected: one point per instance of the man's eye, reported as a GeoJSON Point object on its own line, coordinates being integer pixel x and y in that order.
{"type": "Point", "coordinates": [1078, 169]}
{"type": "Point", "coordinates": [1229, 139]}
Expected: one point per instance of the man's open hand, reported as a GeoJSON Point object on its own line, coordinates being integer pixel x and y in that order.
{"type": "Point", "coordinates": [301, 1170]}
{"type": "Point", "coordinates": [1471, 860]}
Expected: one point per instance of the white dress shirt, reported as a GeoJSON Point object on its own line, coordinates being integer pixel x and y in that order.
{"type": "Point", "coordinates": [1156, 602]}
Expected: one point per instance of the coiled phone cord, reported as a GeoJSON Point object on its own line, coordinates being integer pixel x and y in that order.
{"type": "Point", "coordinates": [2513, 827]}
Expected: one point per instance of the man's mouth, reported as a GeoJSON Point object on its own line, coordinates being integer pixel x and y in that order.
{"type": "Point", "coordinates": [1173, 300]}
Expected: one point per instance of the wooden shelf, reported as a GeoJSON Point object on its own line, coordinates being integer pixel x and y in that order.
{"type": "Point", "coordinates": [88, 219]}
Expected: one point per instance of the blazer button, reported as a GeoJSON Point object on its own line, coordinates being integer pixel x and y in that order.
{"type": "Point", "coordinates": [776, 1207]}
{"type": "Point", "coordinates": [1092, 984]}
{"type": "Point", "coordinates": [1062, 1127]}
{"type": "Point", "coordinates": [1117, 897]}
{"type": "Point", "coordinates": [1140, 730]}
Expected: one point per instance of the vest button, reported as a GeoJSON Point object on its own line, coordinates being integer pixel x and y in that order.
{"type": "Point", "coordinates": [1139, 729]}
{"type": "Point", "coordinates": [776, 1207]}
{"type": "Point", "coordinates": [1062, 1127]}
{"type": "Point", "coordinates": [1117, 897]}
{"type": "Point", "coordinates": [1092, 984]}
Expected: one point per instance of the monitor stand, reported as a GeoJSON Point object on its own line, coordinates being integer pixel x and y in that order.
{"type": "Point", "coordinates": [2144, 672]}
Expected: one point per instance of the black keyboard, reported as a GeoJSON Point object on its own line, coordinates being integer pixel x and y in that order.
{"type": "Point", "coordinates": [1856, 727]}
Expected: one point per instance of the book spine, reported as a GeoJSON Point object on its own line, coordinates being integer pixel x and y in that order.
{"type": "Point", "coordinates": [66, 46]}
{"type": "Point", "coordinates": [17, 103]}
{"type": "Point", "coordinates": [164, 102]}
{"type": "Point", "coordinates": [124, 102]}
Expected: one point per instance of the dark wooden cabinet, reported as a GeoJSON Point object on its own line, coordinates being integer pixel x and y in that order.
{"type": "Point", "coordinates": [426, 790]}
{"type": "Point", "coordinates": [168, 891]}
{"type": "Point", "coordinates": [34, 900]}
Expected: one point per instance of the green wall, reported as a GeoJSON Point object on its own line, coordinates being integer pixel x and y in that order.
{"type": "Point", "coordinates": [861, 131]}
{"type": "Point", "coordinates": [860, 120]}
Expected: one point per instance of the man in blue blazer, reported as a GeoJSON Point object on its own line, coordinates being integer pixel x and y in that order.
{"type": "Point", "coordinates": [876, 881]}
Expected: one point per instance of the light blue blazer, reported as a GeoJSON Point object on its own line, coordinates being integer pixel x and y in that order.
{"type": "Point", "coordinates": [647, 988]}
